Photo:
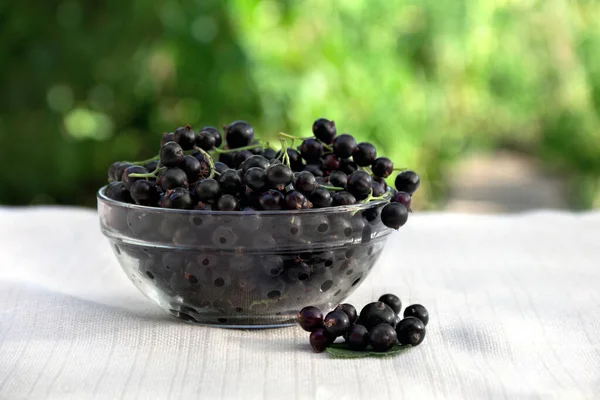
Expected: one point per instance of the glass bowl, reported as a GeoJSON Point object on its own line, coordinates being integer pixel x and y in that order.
{"type": "Point", "coordinates": [244, 270]}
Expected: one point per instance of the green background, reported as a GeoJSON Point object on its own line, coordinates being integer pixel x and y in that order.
{"type": "Point", "coordinates": [85, 83]}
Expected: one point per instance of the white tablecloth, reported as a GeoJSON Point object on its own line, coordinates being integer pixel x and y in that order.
{"type": "Point", "coordinates": [514, 304]}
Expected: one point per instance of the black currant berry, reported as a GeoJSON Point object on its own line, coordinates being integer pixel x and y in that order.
{"type": "Point", "coordinates": [314, 169]}
{"type": "Point", "coordinates": [167, 137]}
{"type": "Point", "coordinates": [321, 198]}
{"type": "Point", "coordinates": [220, 167]}
{"type": "Point", "coordinates": [394, 215]}
{"type": "Point", "coordinates": [365, 154]}
{"type": "Point", "coordinates": [348, 166]}
{"type": "Point", "coordinates": [230, 181]}
{"type": "Point", "coordinates": [271, 200]}
{"type": "Point", "coordinates": [402, 198]}
{"type": "Point", "coordinates": [378, 189]}
{"type": "Point", "coordinates": [151, 165]}
{"type": "Point", "coordinates": [295, 200]}
{"type": "Point", "coordinates": [320, 340]}
{"type": "Point", "coordinates": [255, 161]}
{"type": "Point", "coordinates": [241, 156]}
{"type": "Point", "coordinates": [344, 145]}
{"type": "Point", "coordinates": [171, 154]}
{"type": "Point", "coordinates": [118, 192]}
{"type": "Point", "coordinates": [227, 203]}
{"type": "Point", "coordinates": [417, 311]}
{"type": "Point", "coordinates": [382, 167]}
{"type": "Point", "coordinates": [336, 323]}
{"type": "Point", "coordinates": [310, 318]}
{"type": "Point", "coordinates": [279, 176]}
{"type": "Point", "coordinates": [376, 313]}
{"type": "Point", "coordinates": [349, 310]}
{"type": "Point", "coordinates": [178, 198]}
{"type": "Point", "coordinates": [255, 178]}
{"type": "Point", "coordinates": [324, 130]}
{"type": "Point", "coordinates": [331, 162]}
{"type": "Point", "coordinates": [311, 149]}
{"type": "Point", "coordinates": [129, 180]}
{"type": "Point", "coordinates": [145, 193]}
{"type": "Point", "coordinates": [411, 331]}
{"type": "Point", "coordinates": [192, 168]}
{"type": "Point", "coordinates": [185, 137]}
{"type": "Point", "coordinates": [343, 199]}
{"type": "Point", "coordinates": [357, 338]}
{"type": "Point", "coordinates": [338, 179]}
{"type": "Point", "coordinates": [392, 302]}
{"type": "Point", "coordinates": [207, 190]}
{"type": "Point", "coordinates": [215, 133]}
{"type": "Point", "coordinates": [172, 178]}
{"type": "Point", "coordinates": [359, 184]}
{"type": "Point", "coordinates": [382, 337]}
{"type": "Point", "coordinates": [206, 140]}
{"type": "Point", "coordinates": [227, 159]}
{"type": "Point", "coordinates": [296, 162]}
{"type": "Point", "coordinates": [305, 182]}
{"type": "Point", "coordinates": [239, 134]}
{"type": "Point", "coordinates": [269, 153]}
{"type": "Point", "coordinates": [112, 170]}
{"type": "Point", "coordinates": [407, 181]}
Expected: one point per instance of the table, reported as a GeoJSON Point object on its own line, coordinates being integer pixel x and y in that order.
{"type": "Point", "coordinates": [514, 303]}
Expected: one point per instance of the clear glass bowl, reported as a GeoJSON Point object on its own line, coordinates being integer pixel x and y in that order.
{"type": "Point", "coordinates": [240, 269]}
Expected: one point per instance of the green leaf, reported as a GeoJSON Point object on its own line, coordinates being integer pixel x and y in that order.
{"type": "Point", "coordinates": [339, 350]}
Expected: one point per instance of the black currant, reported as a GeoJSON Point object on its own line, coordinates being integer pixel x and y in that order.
{"type": "Point", "coordinates": [338, 179]}
{"type": "Point", "coordinates": [417, 311]}
{"type": "Point", "coordinates": [392, 302]}
{"type": "Point", "coordinates": [171, 154]}
{"type": "Point", "coordinates": [178, 198]}
{"type": "Point", "coordinates": [376, 313]}
{"type": "Point", "coordinates": [336, 323]}
{"type": "Point", "coordinates": [185, 137]}
{"type": "Point", "coordinates": [269, 153]}
{"type": "Point", "coordinates": [378, 189]}
{"type": "Point", "coordinates": [206, 140]}
{"type": "Point", "coordinates": [151, 165]}
{"type": "Point", "coordinates": [294, 200]}
{"type": "Point", "coordinates": [227, 159]}
{"type": "Point", "coordinates": [145, 193]}
{"type": "Point", "coordinates": [215, 133]}
{"type": "Point", "coordinates": [343, 199]}
{"type": "Point", "coordinates": [382, 167]}
{"type": "Point", "coordinates": [394, 215]}
{"type": "Point", "coordinates": [365, 154]}
{"type": "Point", "coordinates": [227, 203]}
{"type": "Point", "coordinates": [239, 134]}
{"type": "Point", "coordinates": [314, 169]}
{"type": "Point", "coordinates": [331, 162]}
{"type": "Point", "coordinates": [310, 318]}
{"type": "Point", "coordinates": [382, 337]}
{"type": "Point", "coordinates": [357, 338]}
{"type": "Point", "coordinates": [167, 137]}
{"type": "Point", "coordinates": [279, 176]}
{"type": "Point", "coordinates": [192, 168]}
{"type": "Point", "coordinates": [402, 198]}
{"type": "Point", "coordinates": [348, 166]}
{"type": "Point", "coordinates": [207, 190]}
{"type": "Point", "coordinates": [359, 184]}
{"type": "Point", "coordinates": [321, 198]}
{"type": "Point", "coordinates": [344, 145]}
{"type": "Point", "coordinates": [407, 181]}
{"type": "Point", "coordinates": [305, 182]}
{"type": "Point", "coordinates": [241, 156]}
{"type": "Point", "coordinates": [311, 149]}
{"type": "Point", "coordinates": [112, 171]}
{"type": "Point", "coordinates": [230, 181]}
{"type": "Point", "coordinates": [118, 192]}
{"type": "Point", "coordinates": [129, 180]}
{"type": "Point", "coordinates": [324, 130]}
{"type": "Point", "coordinates": [172, 178]}
{"type": "Point", "coordinates": [255, 178]}
{"type": "Point", "coordinates": [220, 167]}
{"type": "Point", "coordinates": [295, 159]}
{"type": "Point", "coordinates": [320, 340]}
{"type": "Point", "coordinates": [349, 310]}
{"type": "Point", "coordinates": [271, 200]}
{"type": "Point", "coordinates": [255, 161]}
{"type": "Point", "coordinates": [411, 331]}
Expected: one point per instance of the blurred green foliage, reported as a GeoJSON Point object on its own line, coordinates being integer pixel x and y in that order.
{"type": "Point", "coordinates": [87, 83]}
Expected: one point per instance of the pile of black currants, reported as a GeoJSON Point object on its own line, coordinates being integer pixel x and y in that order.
{"type": "Point", "coordinates": [378, 325]}
{"type": "Point", "coordinates": [325, 170]}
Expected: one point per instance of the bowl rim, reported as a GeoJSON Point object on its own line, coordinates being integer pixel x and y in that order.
{"type": "Point", "coordinates": [101, 196]}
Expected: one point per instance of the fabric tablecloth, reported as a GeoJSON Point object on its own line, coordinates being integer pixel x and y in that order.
{"type": "Point", "coordinates": [514, 302]}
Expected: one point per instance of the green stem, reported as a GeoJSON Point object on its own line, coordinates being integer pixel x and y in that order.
{"type": "Point", "coordinates": [400, 169]}
{"type": "Point", "coordinates": [143, 162]}
{"type": "Point", "coordinates": [367, 169]}
{"type": "Point", "coordinates": [254, 146]}
{"type": "Point", "coordinates": [333, 188]}
{"type": "Point", "coordinates": [285, 135]}
{"type": "Point", "coordinates": [373, 198]}
{"type": "Point", "coordinates": [209, 159]}
{"type": "Point", "coordinates": [152, 174]}
{"type": "Point", "coordinates": [326, 146]}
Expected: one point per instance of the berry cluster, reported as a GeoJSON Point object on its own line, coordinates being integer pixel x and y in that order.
{"type": "Point", "coordinates": [378, 325]}
{"type": "Point", "coordinates": [325, 170]}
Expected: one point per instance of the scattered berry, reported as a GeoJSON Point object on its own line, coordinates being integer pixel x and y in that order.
{"type": "Point", "coordinates": [392, 301]}
{"type": "Point", "coordinates": [357, 338]}
{"type": "Point", "coordinates": [376, 313]}
{"type": "Point", "coordinates": [310, 318]}
{"type": "Point", "coordinates": [417, 311]}
{"type": "Point", "coordinates": [382, 337]}
{"type": "Point", "coordinates": [349, 310]}
{"type": "Point", "coordinates": [394, 215]}
{"type": "Point", "coordinates": [411, 331]}
{"type": "Point", "coordinates": [320, 340]}
{"type": "Point", "coordinates": [336, 323]}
